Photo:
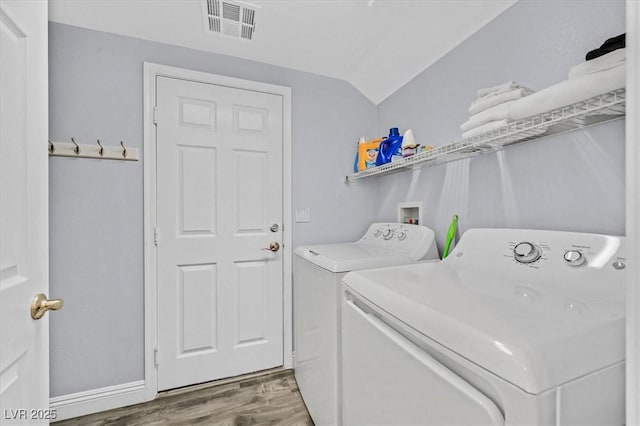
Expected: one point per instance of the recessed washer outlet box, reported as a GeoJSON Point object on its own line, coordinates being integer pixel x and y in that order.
{"type": "Point", "coordinates": [230, 18]}
{"type": "Point", "coordinates": [410, 212]}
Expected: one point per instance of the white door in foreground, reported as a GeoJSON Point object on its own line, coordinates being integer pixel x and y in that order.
{"type": "Point", "coordinates": [24, 253]}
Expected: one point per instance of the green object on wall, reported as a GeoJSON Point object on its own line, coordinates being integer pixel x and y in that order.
{"type": "Point", "coordinates": [450, 234]}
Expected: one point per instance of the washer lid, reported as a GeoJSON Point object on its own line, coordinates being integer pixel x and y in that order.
{"type": "Point", "coordinates": [534, 336]}
{"type": "Point", "coordinates": [351, 256]}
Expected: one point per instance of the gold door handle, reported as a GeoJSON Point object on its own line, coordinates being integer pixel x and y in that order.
{"type": "Point", "coordinates": [41, 305]}
{"type": "Point", "coordinates": [274, 247]}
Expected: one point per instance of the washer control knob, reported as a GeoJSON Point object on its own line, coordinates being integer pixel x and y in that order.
{"type": "Point", "coordinates": [574, 257]}
{"type": "Point", "coordinates": [377, 233]}
{"type": "Point", "coordinates": [619, 265]}
{"type": "Point", "coordinates": [402, 235]}
{"type": "Point", "coordinates": [388, 234]}
{"type": "Point", "coordinates": [526, 252]}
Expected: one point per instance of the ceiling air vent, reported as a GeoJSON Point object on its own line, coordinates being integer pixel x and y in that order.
{"type": "Point", "coordinates": [230, 17]}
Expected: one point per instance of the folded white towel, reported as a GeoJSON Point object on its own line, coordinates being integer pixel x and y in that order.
{"type": "Point", "coordinates": [487, 102]}
{"type": "Point", "coordinates": [602, 63]}
{"type": "Point", "coordinates": [567, 93]}
{"type": "Point", "coordinates": [487, 127]}
{"type": "Point", "coordinates": [498, 112]}
{"type": "Point", "coordinates": [501, 88]}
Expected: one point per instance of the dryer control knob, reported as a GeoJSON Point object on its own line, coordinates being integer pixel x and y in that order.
{"type": "Point", "coordinates": [574, 257]}
{"type": "Point", "coordinates": [388, 234]}
{"type": "Point", "coordinates": [377, 233]}
{"type": "Point", "coordinates": [526, 252]}
{"type": "Point", "coordinates": [402, 235]}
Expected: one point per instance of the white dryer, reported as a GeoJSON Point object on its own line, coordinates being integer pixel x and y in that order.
{"type": "Point", "coordinates": [515, 327]}
{"type": "Point", "coordinates": [317, 275]}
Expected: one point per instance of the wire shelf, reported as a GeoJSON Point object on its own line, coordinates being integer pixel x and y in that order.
{"type": "Point", "coordinates": [606, 107]}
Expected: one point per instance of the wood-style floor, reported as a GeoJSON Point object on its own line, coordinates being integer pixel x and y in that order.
{"type": "Point", "coordinates": [258, 399]}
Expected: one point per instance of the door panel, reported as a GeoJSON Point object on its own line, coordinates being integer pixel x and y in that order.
{"type": "Point", "coordinates": [24, 342]}
{"type": "Point", "coordinates": [252, 302]}
{"type": "Point", "coordinates": [197, 197]}
{"type": "Point", "coordinates": [252, 196]}
{"type": "Point", "coordinates": [219, 188]}
{"type": "Point", "coordinates": [198, 288]}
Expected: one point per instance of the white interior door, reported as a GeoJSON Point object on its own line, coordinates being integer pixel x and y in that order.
{"type": "Point", "coordinates": [219, 207]}
{"type": "Point", "coordinates": [24, 342]}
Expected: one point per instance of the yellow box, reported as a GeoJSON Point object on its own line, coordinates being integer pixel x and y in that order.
{"type": "Point", "coordinates": [367, 154]}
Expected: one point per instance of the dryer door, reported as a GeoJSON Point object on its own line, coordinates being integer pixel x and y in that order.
{"type": "Point", "coordinates": [389, 380]}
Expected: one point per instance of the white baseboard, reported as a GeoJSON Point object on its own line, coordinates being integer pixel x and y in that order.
{"type": "Point", "coordinates": [96, 400]}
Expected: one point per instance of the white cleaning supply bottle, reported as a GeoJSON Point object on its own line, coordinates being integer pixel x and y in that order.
{"type": "Point", "coordinates": [409, 144]}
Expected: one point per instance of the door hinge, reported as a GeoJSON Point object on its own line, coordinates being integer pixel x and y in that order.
{"type": "Point", "coordinates": [155, 115]}
{"type": "Point", "coordinates": [155, 357]}
{"type": "Point", "coordinates": [155, 236]}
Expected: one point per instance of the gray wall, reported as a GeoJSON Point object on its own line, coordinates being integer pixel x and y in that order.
{"type": "Point", "coordinates": [96, 216]}
{"type": "Point", "coordinates": [572, 182]}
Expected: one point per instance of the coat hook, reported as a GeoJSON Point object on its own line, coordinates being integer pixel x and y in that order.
{"type": "Point", "coordinates": [52, 148]}
{"type": "Point", "coordinates": [77, 148]}
{"type": "Point", "coordinates": [124, 150]}
{"type": "Point", "coordinates": [101, 150]}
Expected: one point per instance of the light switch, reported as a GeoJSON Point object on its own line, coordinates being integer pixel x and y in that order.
{"type": "Point", "coordinates": [303, 215]}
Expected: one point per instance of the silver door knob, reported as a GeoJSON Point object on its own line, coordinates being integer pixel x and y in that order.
{"type": "Point", "coordinates": [274, 247]}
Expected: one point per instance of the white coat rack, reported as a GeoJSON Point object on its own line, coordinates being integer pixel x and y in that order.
{"type": "Point", "coordinates": [97, 150]}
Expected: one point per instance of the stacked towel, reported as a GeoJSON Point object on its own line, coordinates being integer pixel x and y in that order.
{"type": "Point", "coordinates": [495, 107]}
{"type": "Point", "coordinates": [568, 92]}
{"type": "Point", "coordinates": [601, 63]}
{"type": "Point", "coordinates": [492, 100]}
{"type": "Point", "coordinates": [486, 127]}
{"type": "Point", "coordinates": [491, 109]}
{"type": "Point", "coordinates": [602, 72]}
{"type": "Point", "coordinates": [496, 90]}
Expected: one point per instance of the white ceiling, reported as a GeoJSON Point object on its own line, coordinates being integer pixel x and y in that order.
{"type": "Point", "coordinates": [376, 45]}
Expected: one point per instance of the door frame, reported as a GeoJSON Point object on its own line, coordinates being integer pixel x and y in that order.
{"type": "Point", "coordinates": [632, 155]}
{"type": "Point", "coordinates": [151, 72]}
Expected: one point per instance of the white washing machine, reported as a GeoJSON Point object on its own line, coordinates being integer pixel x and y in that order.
{"type": "Point", "coordinates": [318, 271]}
{"type": "Point", "coordinates": [515, 327]}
